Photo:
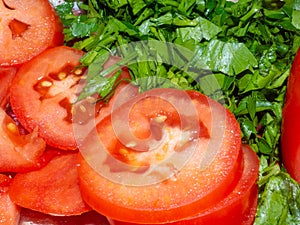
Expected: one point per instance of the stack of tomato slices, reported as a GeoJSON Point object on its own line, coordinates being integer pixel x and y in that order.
{"type": "Point", "coordinates": [164, 156]}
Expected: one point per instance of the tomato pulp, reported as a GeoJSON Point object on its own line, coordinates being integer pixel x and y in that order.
{"type": "Point", "coordinates": [171, 152]}
{"type": "Point", "coordinates": [290, 141]}
{"type": "Point", "coordinates": [26, 29]}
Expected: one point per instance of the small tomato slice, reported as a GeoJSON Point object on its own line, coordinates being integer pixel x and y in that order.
{"type": "Point", "coordinates": [42, 94]}
{"type": "Point", "coordinates": [6, 76]}
{"type": "Point", "coordinates": [52, 190]}
{"type": "Point", "coordinates": [18, 152]}
{"type": "Point", "coordinates": [165, 151]}
{"type": "Point", "coordinates": [27, 28]}
{"type": "Point", "coordinates": [237, 208]}
{"type": "Point", "coordinates": [290, 141]}
{"type": "Point", "coordinates": [9, 212]}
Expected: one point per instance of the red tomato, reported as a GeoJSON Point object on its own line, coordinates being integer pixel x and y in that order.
{"type": "Point", "coordinates": [237, 208]}
{"type": "Point", "coordinates": [52, 190]}
{"type": "Point", "coordinates": [170, 152]}
{"type": "Point", "coordinates": [9, 212]}
{"type": "Point", "coordinates": [27, 28]}
{"type": "Point", "coordinates": [42, 94]}
{"type": "Point", "coordinates": [19, 152]}
{"type": "Point", "coordinates": [290, 141]}
{"type": "Point", "coordinates": [6, 76]}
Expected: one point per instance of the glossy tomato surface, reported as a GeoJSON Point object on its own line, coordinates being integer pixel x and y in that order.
{"type": "Point", "coordinates": [27, 28]}
{"type": "Point", "coordinates": [161, 157]}
{"type": "Point", "coordinates": [42, 93]}
{"type": "Point", "coordinates": [290, 138]}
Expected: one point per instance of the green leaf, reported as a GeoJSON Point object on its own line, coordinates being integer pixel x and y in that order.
{"type": "Point", "coordinates": [279, 202]}
{"type": "Point", "coordinates": [227, 57]}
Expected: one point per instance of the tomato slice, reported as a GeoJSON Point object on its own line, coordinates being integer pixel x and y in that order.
{"type": "Point", "coordinates": [238, 208]}
{"type": "Point", "coordinates": [9, 212]}
{"type": "Point", "coordinates": [52, 190]}
{"type": "Point", "coordinates": [42, 94]}
{"type": "Point", "coordinates": [165, 151]}
{"type": "Point", "coordinates": [6, 76]}
{"type": "Point", "coordinates": [19, 152]}
{"type": "Point", "coordinates": [290, 141]}
{"type": "Point", "coordinates": [27, 28]}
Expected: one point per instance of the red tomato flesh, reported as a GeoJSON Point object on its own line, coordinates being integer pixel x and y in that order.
{"type": "Point", "coordinates": [42, 94]}
{"type": "Point", "coordinates": [9, 212]}
{"type": "Point", "coordinates": [27, 28]}
{"type": "Point", "coordinates": [290, 141]}
{"type": "Point", "coordinates": [204, 179]}
{"type": "Point", "coordinates": [52, 190]}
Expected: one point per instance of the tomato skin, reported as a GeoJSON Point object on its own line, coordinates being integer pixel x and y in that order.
{"type": "Point", "coordinates": [27, 29]}
{"type": "Point", "coordinates": [52, 190]}
{"type": "Point", "coordinates": [48, 111]}
{"type": "Point", "coordinates": [290, 141]}
{"type": "Point", "coordinates": [104, 195]}
{"type": "Point", "coordinates": [238, 208]}
{"type": "Point", "coordinates": [9, 212]}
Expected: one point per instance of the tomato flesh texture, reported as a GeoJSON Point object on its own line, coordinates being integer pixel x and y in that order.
{"type": "Point", "coordinates": [27, 29]}
{"type": "Point", "coordinates": [6, 76]}
{"type": "Point", "coordinates": [52, 190]}
{"type": "Point", "coordinates": [9, 212]}
{"type": "Point", "coordinates": [290, 141]}
{"type": "Point", "coordinates": [136, 204]}
{"type": "Point", "coordinates": [238, 208]}
{"type": "Point", "coordinates": [42, 93]}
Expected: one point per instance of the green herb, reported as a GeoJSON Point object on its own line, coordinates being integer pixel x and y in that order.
{"type": "Point", "coordinates": [238, 53]}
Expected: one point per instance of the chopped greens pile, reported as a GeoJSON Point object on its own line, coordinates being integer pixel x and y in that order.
{"type": "Point", "coordinates": [247, 48]}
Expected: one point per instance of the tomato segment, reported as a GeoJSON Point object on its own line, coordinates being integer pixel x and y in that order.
{"type": "Point", "coordinates": [52, 189]}
{"type": "Point", "coordinates": [210, 159]}
{"type": "Point", "coordinates": [9, 212]}
{"type": "Point", "coordinates": [27, 28]}
{"type": "Point", "coordinates": [42, 94]}
{"type": "Point", "coordinates": [290, 141]}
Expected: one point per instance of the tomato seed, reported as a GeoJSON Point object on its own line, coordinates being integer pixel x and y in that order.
{"type": "Point", "coordinates": [46, 83]}
{"type": "Point", "coordinates": [12, 128]}
{"type": "Point", "coordinates": [61, 75]}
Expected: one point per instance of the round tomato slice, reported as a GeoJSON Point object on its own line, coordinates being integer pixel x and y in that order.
{"type": "Point", "coordinates": [162, 156]}
{"type": "Point", "coordinates": [290, 141]}
{"type": "Point", "coordinates": [237, 208]}
{"type": "Point", "coordinates": [26, 29]}
{"type": "Point", "coordinates": [42, 93]}
{"type": "Point", "coordinates": [52, 190]}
